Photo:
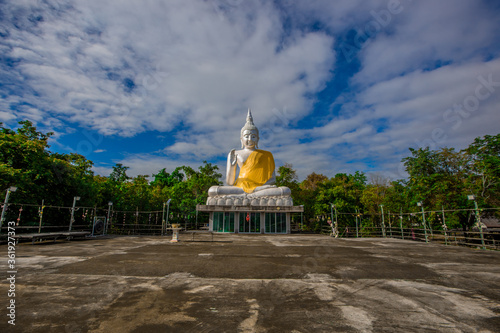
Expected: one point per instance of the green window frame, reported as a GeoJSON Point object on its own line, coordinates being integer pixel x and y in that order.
{"type": "Point", "coordinates": [223, 222]}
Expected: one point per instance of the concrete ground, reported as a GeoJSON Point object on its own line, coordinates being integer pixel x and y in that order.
{"type": "Point", "coordinates": [252, 283]}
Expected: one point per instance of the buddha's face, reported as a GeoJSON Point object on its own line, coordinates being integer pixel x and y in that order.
{"type": "Point", "coordinates": [250, 139]}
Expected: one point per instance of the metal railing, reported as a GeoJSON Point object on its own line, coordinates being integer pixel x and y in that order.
{"type": "Point", "coordinates": [491, 238]}
{"type": "Point", "coordinates": [38, 218]}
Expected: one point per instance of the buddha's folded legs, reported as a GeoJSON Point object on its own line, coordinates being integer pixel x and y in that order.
{"type": "Point", "coordinates": [261, 191]}
{"type": "Point", "coordinates": [270, 191]}
{"type": "Point", "coordinates": [224, 190]}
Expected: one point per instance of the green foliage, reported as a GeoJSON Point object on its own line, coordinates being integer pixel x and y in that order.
{"type": "Point", "coordinates": [344, 192]}
{"type": "Point", "coordinates": [437, 178]}
{"type": "Point", "coordinates": [119, 173]}
{"type": "Point", "coordinates": [26, 163]}
{"type": "Point", "coordinates": [287, 176]}
{"type": "Point", "coordinates": [483, 160]}
{"type": "Point", "coordinates": [306, 196]}
{"type": "Point", "coordinates": [445, 177]}
{"type": "Point", "coordinates": [187, 188]}
{"type": "Point", "coordinates": [39, 174]}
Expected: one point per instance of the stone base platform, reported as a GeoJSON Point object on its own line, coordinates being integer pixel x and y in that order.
{"type": "Point", "coordinates": [249, 200]}
{"type": "Point", "coordinates": [252, 208]}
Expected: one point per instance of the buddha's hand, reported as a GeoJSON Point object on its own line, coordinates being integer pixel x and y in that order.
{"type": "Point", "coordinates": [233, 157]}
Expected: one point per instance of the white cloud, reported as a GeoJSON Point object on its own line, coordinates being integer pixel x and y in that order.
{"type": "Point", "coordinates": [417, 110]}
{"type": "Point", "coordinates": [426, 33]}
{"type": "Point", "coordinates": [6, 116]}
{"type": "Point", "coordinates": [190, 70]}
{"type": "Point", "coordinates": [124, 68]}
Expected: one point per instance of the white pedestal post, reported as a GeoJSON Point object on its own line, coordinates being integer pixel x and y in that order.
{"type": "Point", "coordinates": [175, 235]}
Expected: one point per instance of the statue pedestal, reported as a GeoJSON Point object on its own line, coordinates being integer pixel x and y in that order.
{"type": "Point", "coordinates": [249, 200]}
{"type": "Point", "coordinates": [252, 219]}
{"type": "Point", "coordinates": [175, 234]}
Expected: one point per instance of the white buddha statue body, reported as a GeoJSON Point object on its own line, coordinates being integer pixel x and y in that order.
{"type": "Point", "coordinates": [255, 182]}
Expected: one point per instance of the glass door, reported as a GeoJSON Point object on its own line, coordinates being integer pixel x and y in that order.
{"type": "Point", "coordinates": [223, 222]}
{"type": "Point", "coordinates": [275, 223]}
{"type": "Point", "coordinates": [250, 222]}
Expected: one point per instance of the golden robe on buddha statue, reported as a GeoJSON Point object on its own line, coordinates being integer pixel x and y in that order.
{"type": "Point", "coordinates": [256, 171]}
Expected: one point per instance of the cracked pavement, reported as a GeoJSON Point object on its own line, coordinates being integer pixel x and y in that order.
{"type": "Point", "coordinates": [252, 283]}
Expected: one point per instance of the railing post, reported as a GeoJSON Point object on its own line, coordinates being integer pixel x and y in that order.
{"type": "Point", "coordinates": [478, 221]}
{"type": "Point", "coordinates": [423, 220]}
{"type": "Point", "coordinates": [445, 227]}
{"type": "Point", "coordinates": [40, 212]}
{"type": "Point", "coordinates": [383, 222]}
{"type": "Point", "coordinates": [73, 212]}
{"type": "Point", "coordinates": [357, 214]}
{"type": "Point", "coordinates": [401, 222]}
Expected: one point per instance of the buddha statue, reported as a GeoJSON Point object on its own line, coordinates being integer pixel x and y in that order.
{"type": "Point", "coordinates": [255, 182]}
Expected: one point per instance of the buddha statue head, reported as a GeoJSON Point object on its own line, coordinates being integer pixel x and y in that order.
{"type": "Point", "coordinates": [249, 133]}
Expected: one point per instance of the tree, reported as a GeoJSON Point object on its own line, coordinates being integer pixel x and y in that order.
{"type": "Point", "coordinates": [306, 195]}
{"type": "Point", "coordinates": [377, 178]}
{"type": "Point", "coordinates": [312, 181]}
{"type": "Point", "coordinates": [24, 159]}
{"type": "Point", "coordinates": [119, 173]}
{"type": "Point", "coordinates": [161, 178]}
{"type": "Point", "coordinates": [373, 196]}
{"type": "Point", "coordinates": [437, 178]}
{"type": "Point", "coordinates": [483, 160]}
{"type": "Point", "coordinates": [344, 191]}
{"type": "Point", "coordinates": [187, 188]}
{"type": "Point", "coordinates": [287, 176]}
{"type": "Point", "coordinates": [26, 162]}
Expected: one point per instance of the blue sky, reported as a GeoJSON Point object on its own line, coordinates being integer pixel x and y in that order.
{"type": "Point", "coordinates": [334, 86]}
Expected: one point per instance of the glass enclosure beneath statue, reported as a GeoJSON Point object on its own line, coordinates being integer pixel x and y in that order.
{"type": "Point", "coordinates": [250, 219]}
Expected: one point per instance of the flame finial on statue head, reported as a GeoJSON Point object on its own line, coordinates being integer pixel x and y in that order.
{"type": "Point", "coordinates": [249, 116]}
{"type": "Point", "coordinates": [249, 125]}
